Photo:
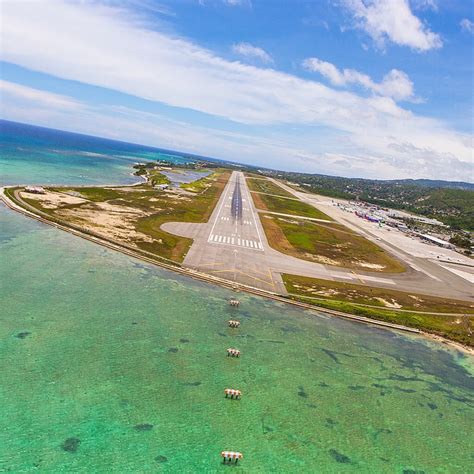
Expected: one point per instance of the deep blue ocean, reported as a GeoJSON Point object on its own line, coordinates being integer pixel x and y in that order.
{"type": "Point", "coordinates": [36, 155]}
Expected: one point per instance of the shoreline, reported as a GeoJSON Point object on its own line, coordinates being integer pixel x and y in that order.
{"type": "Point", "coordinates": [176, 267]}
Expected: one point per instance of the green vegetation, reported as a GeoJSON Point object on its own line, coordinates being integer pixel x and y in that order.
{"type": "Point", "coordinates": [155, 178]}
{"type": "Point", "coordinates": [199, 185]}
{"type": "Point", "coordinates": [457, 328]}
{"type": "Point", "coordinates": [140, 170]}
{"type": "Point", "coordinates": [463, 241]}
{"type": "Point", "coordinates": [367, 295]}
{"type": "Point", "coordinates": [94, 194]}
{"type": "Point", "coordinates": [131, 215]}
{"type": "Point", "coordinates": [263, 185]}
{"type": "Point", "coordinates": [291, 206]}
{"type": "Point", "coordinates": [451, 203]}
{"type": "Point", "coordinates": [331, 244]}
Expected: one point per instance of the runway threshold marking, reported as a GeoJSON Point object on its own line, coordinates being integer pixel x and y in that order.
{"type": "Point", "coordinates": [241, 243]}
{"type": "Point", "coordinates": [215, 238]}
{"type": "Point", "coordinates": [220, 208]}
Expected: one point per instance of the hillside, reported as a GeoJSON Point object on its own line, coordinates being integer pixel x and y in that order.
{"type": "Point", "coordinates": [450, 202]}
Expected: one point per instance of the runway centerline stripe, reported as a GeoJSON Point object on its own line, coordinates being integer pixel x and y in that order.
{"type": "Point", "coordinates": [222, 205]}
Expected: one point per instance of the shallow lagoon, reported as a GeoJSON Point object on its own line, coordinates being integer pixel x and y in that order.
{"type": "Point", "coordinates": [183, 176]}
{"type": "Point", "coordinates": [111, 365]}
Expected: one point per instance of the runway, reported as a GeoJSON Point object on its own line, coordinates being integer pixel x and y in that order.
{"type": "Point", "coordinates": [235, 223]}
{"type": "Point", "coordinates": [233, 245]}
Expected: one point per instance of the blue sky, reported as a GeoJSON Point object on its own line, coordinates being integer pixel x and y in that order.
{"type": "Point", "coordinates": [368, 88]}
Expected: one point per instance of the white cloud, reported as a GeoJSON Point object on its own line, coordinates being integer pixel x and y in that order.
{"type": "Point", "coordinates": [27, 94]}
{"type": "Point", "coordinates": [105, 47]}
{"type": "Point", "coordinates": [328, 70]}
{"type": "Point", "coordinates": [346, 156]}
{"type": "Point", "coordinates": [425, 5]}
{"type": "Point", "coordinates": [117, 122]}
{"type": "Point", "coordinates": [249, 51]}
{"type": "Point", "coordinates": [395, 84]}
{"type": "Point", "coordinates": [392, 20]}
{"type": "Point", "coordinates": [237, 3]}
{"type": "Point", "coordinates": [467, 25]}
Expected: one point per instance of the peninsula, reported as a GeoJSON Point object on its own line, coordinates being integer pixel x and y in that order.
{"type": "Point", "coordinates": [256, 233]}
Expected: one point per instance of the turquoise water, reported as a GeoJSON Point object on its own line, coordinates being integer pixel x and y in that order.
{"type": "Point", "coordinates": [34, 155]}
{"type": "Point", "coordinates": [111, 365]}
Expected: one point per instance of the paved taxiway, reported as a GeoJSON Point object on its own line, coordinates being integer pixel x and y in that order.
{"type": "Point", "coordinates": [425, 273]}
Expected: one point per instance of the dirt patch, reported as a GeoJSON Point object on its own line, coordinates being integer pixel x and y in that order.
{"type": "Point", "coordinates": [388, 304]}
{"type": "Point", "coordinates": [130, 189]}
{"type": "Point", "coordinates": [321, 259]}
{"type": "Point", "coordinates": [372, 266]}
{"type": "Point", "coordinates": [52, 200]}
{"type": "Point", "coordinates": [258, 201]}
{"type": "Point", "coordinates": [325, 292]}
{"type": "Point", "coordinates": [112, 222]}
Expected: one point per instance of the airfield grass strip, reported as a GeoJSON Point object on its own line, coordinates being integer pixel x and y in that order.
{"type": "Point", "coordinates": [283, 205]}
{"type": "Point", "coordinates": [161, 209]}
{"type": "Point", "coordinates": [263, 185]}
{"type": "Point", "coordinates": [373, 296]}
{"type": "Point", "coordinates": [331, 245]}
{"type": "Point", "coordinates": [459, 329]}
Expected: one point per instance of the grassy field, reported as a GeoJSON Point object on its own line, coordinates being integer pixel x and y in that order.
{"type": "Point", "coordinates": [366, 295]}
{"type": "Point", "coordinates": [133, 214]}
{"type": "Point", "coordinates": [292, 206]}
{"type": "Point", "coordinates": [331, 244]}
{"type": "Point", "coordinates": [199, 185]}
{"type": "Point", "coordinates": [263, 185]}
{"type": "Point", "coordinates": [457, 328]}
{"type": "Point", "coordinates": [197, 209]}
{"type": "Point", "coordinates": [155, 177]}
{"type": "Point", "coordinates": [94, 194]}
